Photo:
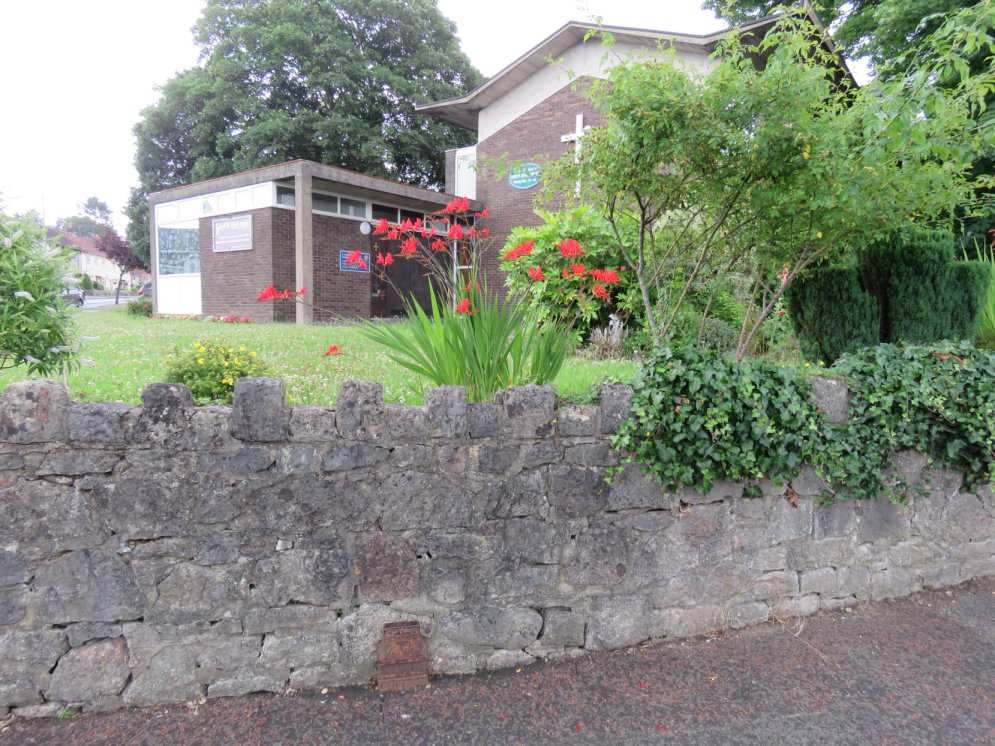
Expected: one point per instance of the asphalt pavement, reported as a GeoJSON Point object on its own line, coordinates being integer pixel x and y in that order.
{"type": "Point", "coordinates": [919, 670]}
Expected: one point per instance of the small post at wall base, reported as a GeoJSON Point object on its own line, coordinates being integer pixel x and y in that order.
{"type": "Point", "coordinates": [402, 657]}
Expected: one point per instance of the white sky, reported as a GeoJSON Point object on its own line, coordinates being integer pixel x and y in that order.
{"type": "Point", "coordinates": [74, 75]}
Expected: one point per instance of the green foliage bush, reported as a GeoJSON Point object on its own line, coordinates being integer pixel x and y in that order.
{"type": "Point", "coordinates": [140, 306]}
{"type": "Point", "coordinates": [923, 294]}
{"type": "Point", "coordinates": [36, 327]}
{"type": "Point", "coordinates": [986, 327]}
{"type": "Point", "coordinates": [86, 282]}
{"type": "Point", "coordinates": [210, 368]}
{"type": "Point", "coordinates": [697, 417]}
{"type": "Point", "coordinates": [485, 344]}
{"type": "Point", "coordinates": [831, 314]}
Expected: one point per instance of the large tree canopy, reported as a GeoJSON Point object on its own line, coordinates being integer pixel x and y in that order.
{"type": "Point", "coordinates": [333, 81]}
{"type": "Point", "coordinates": [878, 29]}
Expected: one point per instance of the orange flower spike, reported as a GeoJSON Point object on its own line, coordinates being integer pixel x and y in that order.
{"type": "Point", "coordinates": [333, 350]}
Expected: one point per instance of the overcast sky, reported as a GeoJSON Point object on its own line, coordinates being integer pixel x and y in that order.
{"type": "Point", "coordinates": [74, 75]}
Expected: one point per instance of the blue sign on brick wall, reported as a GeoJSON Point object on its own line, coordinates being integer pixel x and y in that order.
{"type": "Point", "coordinates": [525, 175]}
{"type": "Point", "coordinates": [360, 262]}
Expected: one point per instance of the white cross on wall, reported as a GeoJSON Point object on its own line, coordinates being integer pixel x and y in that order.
{"type": "Point", "coordinates": [575, 137]}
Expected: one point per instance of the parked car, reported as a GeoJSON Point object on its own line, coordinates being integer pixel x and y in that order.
{"type": "Point", "coordinates": [145, 289]}
{"type": "Point", "coordinates": [74, 294]}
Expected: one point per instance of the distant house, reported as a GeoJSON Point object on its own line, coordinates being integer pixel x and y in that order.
{"type": "Point", "coordinates": [88, 259]}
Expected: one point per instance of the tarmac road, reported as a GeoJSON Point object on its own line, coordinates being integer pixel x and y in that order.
{"type": "Point", "coordinates": [919, 670]}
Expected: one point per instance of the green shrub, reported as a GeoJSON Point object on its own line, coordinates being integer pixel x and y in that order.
{"type": "Point", "coordinates": [210, 368]}
{"type": "Point", "coordinates": [86, 282]}
{"type": "Point", "coordinates": [140, 306]}
{"type": "Point", "coordinates": [698, 417]}
{"type": "Point", "coordinates": [986, 321]}
{"type": "Point", "coordinates": [36, 326]}
{"type": "Point", "coordinates": [923, 294]}
{"type": "Point", "coordinates": [485, 344]}
{"type": "Point", "coordinates": [831, 314]}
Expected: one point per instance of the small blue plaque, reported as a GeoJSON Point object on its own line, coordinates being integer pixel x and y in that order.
{"type": "Point", "coordinates": [361, 266]}
{"type": "Point", "coordinates": [525, 175]}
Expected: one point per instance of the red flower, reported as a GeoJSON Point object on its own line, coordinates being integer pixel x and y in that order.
{"type": "Point", "coordinates": [302, 291]}
{"type": "Point", "coordinates": [473, 232]}
{"type": "Point", "coordinates": [407, 226]}
{"type": "Point", "coordinates": [578, 270]}
{"type": "Point", "coordinates": [332, 350]}
{"type": "Point", "coordinates": [439, 245]}
{"type": "Point", "coordinates": [268, 293]}
{"type": "Point", "coordinates": [382, 227]}
{"type": "Point", "coordinates": [600, 292]}
{"type": "Point", "coordinates": [394, 234]}
{"type": "Point", "coordinates": [464, 306]}
{"type": "Point", "coordinates": [570, 248]}
{"type": "Point", "coordinates": [468, 287]}
{"type": "Point", "coordinates": [523, 249]}
{"type": "Point", "coordinates": [485, 232]}
{"type": "Point", "coordinates": [457, 204]}
{"type": "Point", "coordinates": [409, 247]}
{"type": "Point", "coordinates": [385, 259]}
{"type": "Point", "coordinates": [354, 257]}
{"type": "Point", "coordinates": [485, 213]}
{"type": "Point", "coordinates": [536, 274]}
{"type": "Point", "coordinates": [607, 276]}
{"type": "Point", "coordinates": [565, 274]}
{"type": "Point", "coordinates": [455, 231]}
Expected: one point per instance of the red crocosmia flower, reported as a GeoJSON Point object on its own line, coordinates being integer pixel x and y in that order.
{"type": "Point", "coordinates": [523, 249]}
{"type": "Point", "coordinates": [332, 350]}
{"type": "Point", "coordinates": [407, 226]}
{"type": "Point", "coordinates": [485, 232]}
{"type": "Point", "coordinates": [607, 276]}
{"type": "Point", "coordinates": [457, 204]}
{"type": "Point", "coordinates": [285, 293]}
{"type": "Point", "coordinates": [473, 232]}
{"type": "Point", "coordinates": [536, 274]}
{"type": "Point", "coordinates": [600, 292]}
{"type": "Point", "coordinates": [570, 248]}
{"type": "Point", "coordinates": [455, 231]}
{"type": "Point", "coordinates": [385, 259]}
{"type": "Point", "coordinates": [565, 274]}
{"type": "Point", "coordinates": [464, 306]}
{"type": "Point", "coordinates": [363, 264]}
{"type": "Point", "coordinates": [382, 227]}
{"type": "Point", "coordinates": [578, 270]}
{"type": "Point", "coordinates": [439, 245]}
{"type": "Point", "coordinates": [394, 234]}
{"type": "Point", "coordinates": [354, 257]}
{"type": "Point", "coordinates": [268, 293]}
{"type": "Point", "coordinates": [485, 213]}
{"type": "Point", "coordinates": [302, 291]}
{"type": "Point", "coordinates": [468, 286]}
{"type": "Point", "coordinates": [409, 247]}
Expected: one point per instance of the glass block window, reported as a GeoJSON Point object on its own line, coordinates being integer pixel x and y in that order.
{"type": "Point", "coordinates": [179, 249]}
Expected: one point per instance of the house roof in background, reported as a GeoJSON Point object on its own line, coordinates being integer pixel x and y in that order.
{"type": "Point", "coordinates": [72, 241]}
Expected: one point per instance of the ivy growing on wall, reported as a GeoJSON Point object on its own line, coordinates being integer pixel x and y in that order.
{"type": "Point", "coordinates": [697, 417]}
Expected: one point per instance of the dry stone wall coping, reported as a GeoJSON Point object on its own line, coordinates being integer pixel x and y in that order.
{"type": "Point", "coordinates": [167, 552]}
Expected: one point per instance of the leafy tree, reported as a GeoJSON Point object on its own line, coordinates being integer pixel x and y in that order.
{"type": "Point", "coordinates": [35, 322]}
{"type": "Point", "coordinates": [92, 223]}
{"type": "Point", "coordinates": [767, 172]}
{"type": "Point", "coordinates": [333, 81]}
{"type": "Point", "coordinates": [120, 252]}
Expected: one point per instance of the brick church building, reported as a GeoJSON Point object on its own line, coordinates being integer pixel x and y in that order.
{"type": "Point", "coordinates": [217, 242]}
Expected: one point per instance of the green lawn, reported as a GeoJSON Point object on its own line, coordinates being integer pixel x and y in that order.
{"type": "Point", "coordinates": [122, 353]}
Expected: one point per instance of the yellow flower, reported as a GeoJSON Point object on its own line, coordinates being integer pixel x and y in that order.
{"type": "Point", "coordinates": [818, 234]}
{"type": "Point", "coordinates": [807, 152]}
{"type": "Point", "coordinates": [200, 361]}
{"type": "Point", "coordinates": [253, 354]}
{"type": "Point", "coordinates": [242, 348]}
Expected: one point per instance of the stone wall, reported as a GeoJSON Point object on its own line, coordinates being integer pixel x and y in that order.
{"type": "Point", "coordinates": [164, 553]}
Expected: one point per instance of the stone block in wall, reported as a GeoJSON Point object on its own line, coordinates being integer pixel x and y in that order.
{"type": "Point", "coordinates": [632, 488]}
{"type": "Point", "coordinates": [965, 519]}
{"type": "Point", "coordinates": [617, 622]}
{"type": "Point", "coordinates": [33, 411]}
{"type": "Point", "coordinates": [790, 521]}
{"type": "Point", "coordinates": [414, 499]}
{"type": "Point", "coordinates": [386, 568]}
{"type": "Point", "coordinates": [745, 615]}
{"type": "Point", "coordinates": [519, 585]}
{"type": "Point", "coordinates": [527, 411]}
{"type": "Point", "coordinates": [88, 585]}
{"type": "Point", "coordinates": [832, 397]}
{"type": "Point", "coordinates": [498, 458]}
{"type": "Point", "coordinates": [534, 541]}
{"type": "Point", "coordinates": [823, 580]}
{"type": "Point", "coordinates": [447, 586]}
{"type": "Point", "coordinates": [209, 429]}
{"type": "Point", "coordinates": [521, 495]}
{"type": "Point", "coordinates": [77, 462]}
{"type": "Point", "coordinates": [591, 454]}
{"type": "Point", "coordinates": [349, 455]}
{"type": "Point", "coordinates": [578, 420]}
{"type": "Point", "coordinates": [793, 608]}
{"type": "Point", "coordinates": [194, 592]}
{"type": "Point", "coordinates": [166, 402]}
{"type": "Point", "coordinates": [941, 574]}
{"type": "Point", "coordinates": [296, 649]}
{"type": "Point", "coordinates": [894, 582]}
{"type": "Point", "coordinates": [689, 622]}
{"type": "Point", "coordinates": [810, 554]}
{"type": "Point", "coordinates": [84, 632]}
{"type": "Point", "coordinates": [242, 685]}
{"type": "Point", "coordinates": [170, 677]}
{"type": "Point", "coordinates": [359, 412]}
{"type": "Point", "coordinates": [808, 483]}
{"type": "Point", "coordinates": [492, 626]}
{"type": "Point", "coordinates": [508, 659]}
{"type": "Point", "coordinates": [320, 576]}
{"type": "Point", "coordinates": [909, 466]}
{"type": "Point", "coordinates": [616, 405]}
{"type": "Point", "coordinates": [28, 657]}
{"type": "Point", "coordinates": [42, 518]}
{"type": "Point", "coordinates": [99, 669]}
{"type": "Point", "coordinates": [483, 420]}
{"type": "Point", "coordinates": [407, 423]}
{"type": "Point", "coordinates": [312, 424]}
{"type": "Point", "coordinates": [838, 519]}
{"type": "Point", "coordinates": [562, 627]}
{"type": "Point", "coordinates": [295, 617]}
{"type": "Point", "coordinates": [139, 508]}
{"type": "Point", "coordinates": [881, 521]}
{"type": "Point", "coordinates": [101, 424]}
{"type": "Point", "coordinates": [720, 491]}
{"type": "Point", "coordinates": [601, 557]}
{"type": "Point", "coordinates": [258, 412]}
{"type": "Point", "coordinates": [358, 635]}
{"type": "Point", "coordinates": [854, 581]}
{"type": "Point", "coordinates": [13, 604]}
{"type": "Point", "coordinates": [448, 411]}
{"type": "Point", "coordinates": [577, 491]}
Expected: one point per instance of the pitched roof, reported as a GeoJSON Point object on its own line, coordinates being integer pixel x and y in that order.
{"type": "Point", "coordinates": [463, 110]}
{"type": "Point", "coordinates": [78, 243]}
